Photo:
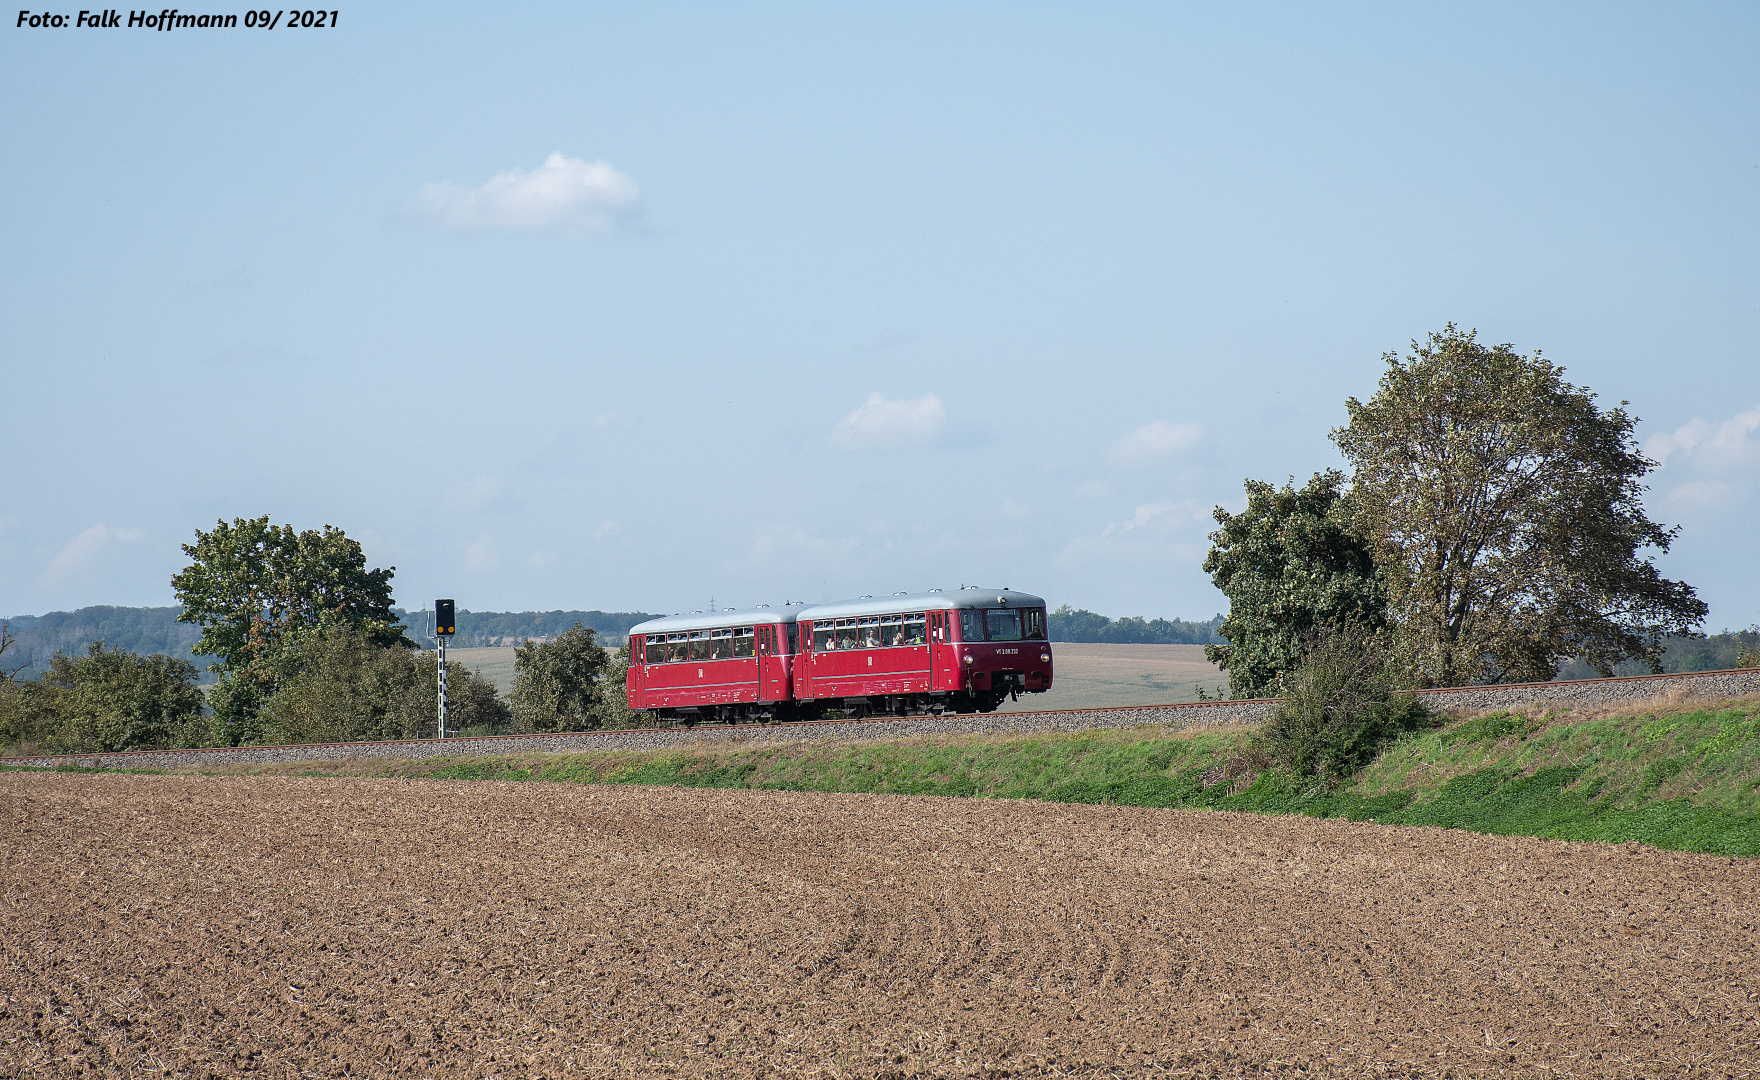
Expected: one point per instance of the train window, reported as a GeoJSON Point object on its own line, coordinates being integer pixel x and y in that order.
{"type": "Point", "coordinates": [743, 641]}
{"type": "Point", "coordinates": [891, 630]}
{"type": "Point", "coordinates": [869, 631]}
{"type": "Point", "coordinates": [971, 625]}
{"type": "Point", "coordinates": [1004, 624]}
{"type": "Point", "coordinates": [824, 637]}
{"type": "Point", "coordinates": [791, 637]}
{"type": "Point", "coordinates": [678, 647]}
{"type": "Point", "coordinates": [915, 629]}
{"type": "Point", "coordinates": [849, 634]}
{"type": "Point", "coordinates": [699, 645]}
{"type": "Point", "coordinates": [1034, 620]}
{"type": "Point", "coordinates": [721, 644]}
{"type": "Point", "coordinates": [656, 649]}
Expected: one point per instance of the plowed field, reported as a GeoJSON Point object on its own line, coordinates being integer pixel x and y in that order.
{"type": "Point", "coordinates": [216, 926]}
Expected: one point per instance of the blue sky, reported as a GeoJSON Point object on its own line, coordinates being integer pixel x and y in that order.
{"type": "Point", "coordinates": [639, 306]}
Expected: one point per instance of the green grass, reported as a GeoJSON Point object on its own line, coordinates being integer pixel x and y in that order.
{"type": "Point", "coordinates": [1681, 778]}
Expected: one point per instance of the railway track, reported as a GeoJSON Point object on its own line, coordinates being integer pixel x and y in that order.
{"type": "Point", "coordinates": [1707, 686]}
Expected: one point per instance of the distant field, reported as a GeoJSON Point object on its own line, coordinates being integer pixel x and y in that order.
{"type": "Point", "coordinates": [1087, 676]}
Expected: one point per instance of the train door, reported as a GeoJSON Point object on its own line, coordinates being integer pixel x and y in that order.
{"type": "Point", "coordinates": [772, 673]}
{"type": "Point", "coordinates": [943, 665]}
{"type": "Point", "coordinates": [637, 669]}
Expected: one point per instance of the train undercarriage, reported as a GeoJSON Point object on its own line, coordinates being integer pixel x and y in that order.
{"type": "Point", "coordinates": [875, 707]}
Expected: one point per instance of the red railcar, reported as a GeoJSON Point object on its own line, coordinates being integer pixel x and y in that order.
{"type": "Point", "coordinates": [720, 665]}
{"type": "Point", "coordinates": [903, 654]}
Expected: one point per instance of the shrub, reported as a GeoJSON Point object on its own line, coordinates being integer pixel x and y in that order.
{"type": "Point", "coordinates": [107, 699]}
{"type": "Point", "coordinates": [570, 684]}
{"type": "Point", "coordinates": [1341, 706]}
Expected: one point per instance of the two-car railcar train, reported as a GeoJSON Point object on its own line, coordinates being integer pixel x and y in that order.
{"type": "Point", "coordinates": [899, 655]}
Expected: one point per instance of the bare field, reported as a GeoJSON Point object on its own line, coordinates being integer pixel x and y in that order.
{"type": "Point", "coordinates": [1087, 676]}
{"type": "Point", "coordinates": [1091, 676]}
{"type": "Point", "coordinates": [199, 926]}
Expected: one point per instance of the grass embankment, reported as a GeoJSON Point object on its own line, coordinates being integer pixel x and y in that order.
{"type": "Point", "coordinates": [1680, 776]}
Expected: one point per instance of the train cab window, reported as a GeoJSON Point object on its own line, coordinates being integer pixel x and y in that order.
{"type": "Point", "coordinates": [916, 630]}
{"type": "Point", "coordinates": [678, 648]}
{"type": "Point", "coordinates": [1004, 624]}
{"type": "Point", "coordinates": [656, 649]}
{"type": "Point", "coordinates": [824, 637]}
{"type": "Point", "coordinates": [721, 644]}
{"type": "Point", "coordinates": [971, 625]}
{"type": "Point", "coordinates": [848, 634]}
{"type": "Point", "coordinates": [699, 645]}
{"type": "Point", "coordinates": [743, 641]}
{"type": "Point", "coordinates": [1033, 624]}
{"type": "Point", "coordinates": [870, 632]}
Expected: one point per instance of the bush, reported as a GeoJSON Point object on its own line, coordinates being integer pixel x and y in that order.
{"type": "Point", "coordinates": [1341, 706]}
{"type": "Point", "coordinates": [108, 699]}
{"type": "Point", "coordinates": [337, 685]}
{"type": "Point", "coordinates": [570, 684]}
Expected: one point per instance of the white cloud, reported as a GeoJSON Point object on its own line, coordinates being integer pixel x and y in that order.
{"type": "Point", "coordinates": [1153, 443]}
{"type": "Point", "coordinates": [78, 554]}
{"type": "Point", "coordinates": [1708, 466]}
{"type": "Point", "coordinates": [1728, 442]}
{"type": "Point", "coordinates": [564, 195]}
{"type": "Point", "coordinates": [885, 424]}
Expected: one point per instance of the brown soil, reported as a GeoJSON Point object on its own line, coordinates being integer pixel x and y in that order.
{"type": "Point", "coordinates": [216, 926]}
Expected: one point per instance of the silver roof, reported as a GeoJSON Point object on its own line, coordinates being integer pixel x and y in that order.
{"type": "Point", "coordinates": [923, 601]}
{"type": "Point", "coordinates": [705, 620]}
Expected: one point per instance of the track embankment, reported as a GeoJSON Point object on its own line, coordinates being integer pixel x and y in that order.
{"type": "Point", "coordinates": [1704, 686]}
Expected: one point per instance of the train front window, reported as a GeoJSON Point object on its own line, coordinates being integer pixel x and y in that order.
{"type": "Point", "coordinates": [1034, 620]}
{"type": "Point", "coordinates": [971, 625]}
{"type": "Point", "coordinates": [1004, 624]}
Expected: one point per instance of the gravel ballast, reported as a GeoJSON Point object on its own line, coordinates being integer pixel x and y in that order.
{"type": "Point", "coordinates": [1706, 686]}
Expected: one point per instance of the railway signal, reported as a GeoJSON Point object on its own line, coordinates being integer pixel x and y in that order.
{"type": "Point", "coordinates": [444, 627]}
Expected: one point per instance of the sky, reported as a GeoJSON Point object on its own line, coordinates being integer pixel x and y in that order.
{"type": "Point", "coordinates": [651, 307]}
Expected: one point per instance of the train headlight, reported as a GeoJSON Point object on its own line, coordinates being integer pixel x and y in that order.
{"type": "Point", "coordinates": [1045, 658]}
{"type": "Point", "coordinates": [968, 658]}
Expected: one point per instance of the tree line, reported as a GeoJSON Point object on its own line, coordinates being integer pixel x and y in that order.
{"type": "Point", "coordinates": [308, 649]}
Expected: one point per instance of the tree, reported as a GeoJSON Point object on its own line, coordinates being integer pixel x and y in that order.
{"type": "Point", "coordinates": [1290, 567]}
{"type": "Point", "coordinates": [250, 584]}
{"type": "Point", "coordinates": [1504, 509]}
{"type": "Point", "coordinates": [567, 684]}
{"type": "Point", "coordinates": [1344, 702]}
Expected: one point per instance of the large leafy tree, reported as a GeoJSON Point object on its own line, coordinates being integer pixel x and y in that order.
{"type": "Point", "coordinates": [250, 585]}
{"type": "Point", "coordinates": [1503, 507]}
{"type": "Point", "coordinates": [1291, 569]}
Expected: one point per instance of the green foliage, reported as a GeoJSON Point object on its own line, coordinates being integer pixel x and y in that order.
{"type": "Point", "coordinates": [1749, 655]}
{"type": "Point", "coordinates": [1505, 510]}
{"type": "Point", "coordinates": [570, 684]}
{"type": "Point", "coordinates": [107, 699]}
{"type": "Point", "coordinates": [1080, 625]}
{"type": "Point", "coordinates": [1340, 707]}
{"type": "Point", "coordinates": [334, 683]}
{"type": "Point", "coordinates": [1290, 568]}
{"type": "Point", "coordinates": [251, 585]}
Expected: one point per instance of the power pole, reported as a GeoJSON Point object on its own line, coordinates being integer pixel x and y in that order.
{"type": "Point", "coordinates": [443, 629]}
